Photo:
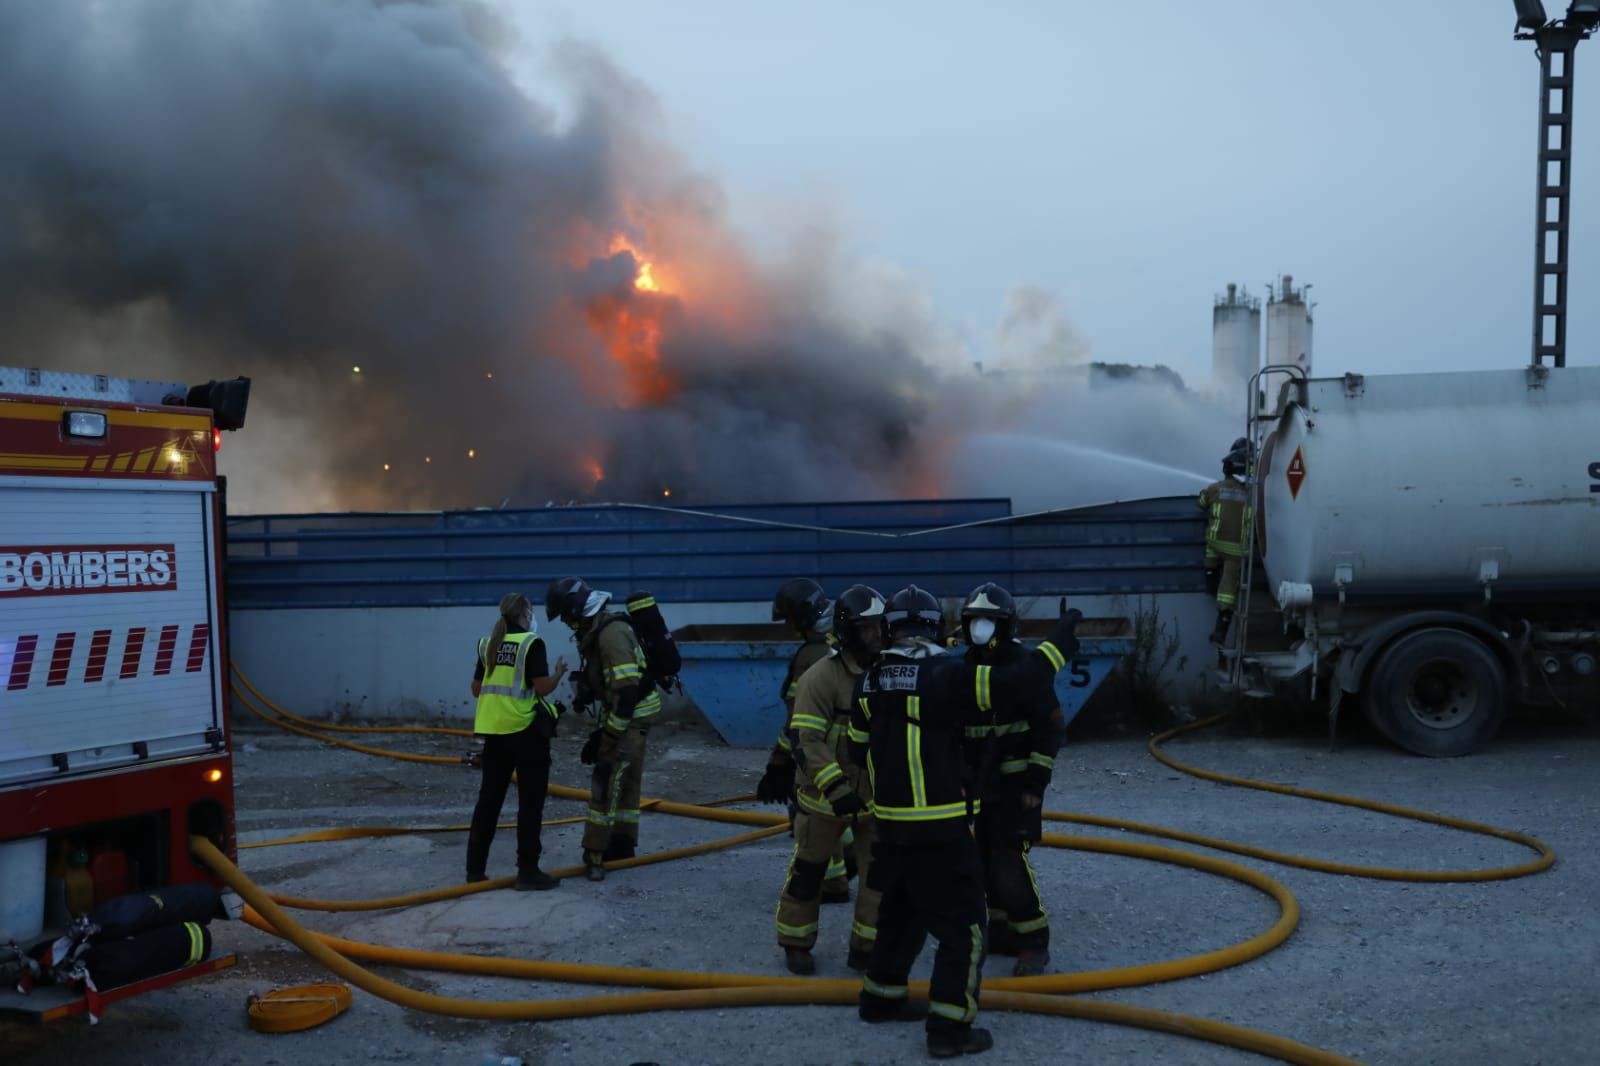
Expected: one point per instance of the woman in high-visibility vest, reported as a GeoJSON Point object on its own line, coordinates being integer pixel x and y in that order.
{"type": "Point", "coordinates": [511, 681]}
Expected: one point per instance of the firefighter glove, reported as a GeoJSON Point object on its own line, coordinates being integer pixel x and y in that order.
{"type": "Point", "coordinates": [849, 805]}
{"type": "Point", "coordinates": [582, 694]}
{"type": "Point", "coordinates": [591, 749]}
{"type": "Point", "coordinates": [777, 784]}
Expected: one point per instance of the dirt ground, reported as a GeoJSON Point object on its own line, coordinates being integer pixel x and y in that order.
{"type": "Point", "coordinates": [1383, 972]}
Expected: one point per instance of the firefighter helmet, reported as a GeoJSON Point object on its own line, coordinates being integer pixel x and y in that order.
{"type": "Point", "coordinates": [858, 611]}
{"type": "Point", "coordinates": [989, 602]}
{"type": "Point", "coordinates": [914, 612]}
{"type": "Point", "coordinates": [566, 599]}
{"type": "Point", "coordinates": [1237, 461]}
{"type": "Point", "coordinates": [801, 603]}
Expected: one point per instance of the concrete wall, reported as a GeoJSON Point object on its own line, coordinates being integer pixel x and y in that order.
{"type": "Point", "coordinates": [415, 663]}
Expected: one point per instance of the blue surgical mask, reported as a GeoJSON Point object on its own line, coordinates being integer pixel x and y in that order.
{"type": "Point", "coordinates": [981, 630]}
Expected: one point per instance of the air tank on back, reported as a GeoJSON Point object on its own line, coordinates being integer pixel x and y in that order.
{"type": "Point", "coordinates": [1435, 487]}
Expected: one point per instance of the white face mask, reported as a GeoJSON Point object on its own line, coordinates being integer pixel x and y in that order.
{"type": "Point", "coordinates": [981, 630]}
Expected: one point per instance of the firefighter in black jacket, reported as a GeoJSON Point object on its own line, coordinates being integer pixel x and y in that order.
{"type": "Point", "coordinates": [908, 726]}
{"type": "Point", "coordinates": [1012, 758]}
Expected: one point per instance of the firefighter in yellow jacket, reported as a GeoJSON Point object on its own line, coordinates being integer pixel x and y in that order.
{"type": "Point", "coordinates": [1228, 503]}
{"type": "Point", "coordinates": [804, 605]}
{"type": "Point", "coordinates": [614, 675]}
{"type": "Point", "coordinates": [832, 793]}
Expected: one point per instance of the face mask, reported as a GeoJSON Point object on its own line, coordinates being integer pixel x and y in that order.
{"type": "Point", "coordinates": [981, 631]}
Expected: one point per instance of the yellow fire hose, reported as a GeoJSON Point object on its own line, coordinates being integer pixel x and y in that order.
{"type": "Point", "coordinates": [1546, 856]}
{"type": "Point", "coordinates": [694, 991]}
{"type": "Point", "coordinates": [1040, 994]}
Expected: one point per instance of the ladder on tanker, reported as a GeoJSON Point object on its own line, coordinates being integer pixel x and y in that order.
{"type": "Point", "coordinates": [1235, 650]}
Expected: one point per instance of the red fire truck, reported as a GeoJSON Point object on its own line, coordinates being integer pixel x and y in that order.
{"type": "Point", "coordinates": [113, 649]}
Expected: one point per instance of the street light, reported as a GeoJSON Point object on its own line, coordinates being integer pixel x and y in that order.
{"type": "Point", "coordinates": [1530, 14]}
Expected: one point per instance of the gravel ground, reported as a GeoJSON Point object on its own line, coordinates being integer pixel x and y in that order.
{"type": "Point", "coordinates": [1382, 972]}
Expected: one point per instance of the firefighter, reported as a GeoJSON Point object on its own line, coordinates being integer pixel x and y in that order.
{"type": "Point", "coordinates": [908, 724]}
{"type": "Point", "coordinates": [1228, 503]}
{"type": "Point", "coordinates": [613, 673]}
{"type": "Point", "coordinates": [1011, 761]}
{"type": "Point", "coordinates": [806, 608]}
{"type": "Point", "coordinates": [832, 794]}
{"type": "Point", "coordinates": [511, 681]}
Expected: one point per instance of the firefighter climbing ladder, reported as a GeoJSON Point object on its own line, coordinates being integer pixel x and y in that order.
{"type": "Point", "coordinates": [1255, 432]}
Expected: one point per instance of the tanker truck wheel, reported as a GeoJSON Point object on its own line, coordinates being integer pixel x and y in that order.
{"type": "Point", "coordinates": [1437, 692]}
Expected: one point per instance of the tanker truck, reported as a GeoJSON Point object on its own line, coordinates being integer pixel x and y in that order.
{"type": "Point", "coordinates": [1432, 545]}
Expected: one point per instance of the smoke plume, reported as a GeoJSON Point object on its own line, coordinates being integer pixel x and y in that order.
{"type": "Point", "coordinates": [540, 308]}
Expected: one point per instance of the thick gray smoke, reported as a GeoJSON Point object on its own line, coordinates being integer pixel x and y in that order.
{"type": "Point", "coordinates": [294, 188]}
{"type": "Point", "coordinates": [291, 189]}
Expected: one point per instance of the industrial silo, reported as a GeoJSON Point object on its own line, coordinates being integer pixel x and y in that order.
{"type": "Point", "coordinates": [1288, 326]}
{"type": "Point", "coordinates": [1235, 341]}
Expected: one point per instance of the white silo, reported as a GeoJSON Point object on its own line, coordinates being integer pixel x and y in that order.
{"type": "Point", "coordinates": [1235, 341]}
{"type": "Point", "coordinates": [1288, 326]}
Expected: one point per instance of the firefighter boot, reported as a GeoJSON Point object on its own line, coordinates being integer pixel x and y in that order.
{"type": "Point", "coordinates": [1219, 634]}
{"type": "Point", "coordinates": [859, 959]}
{"type": "Point", "coordinates": [1002, 939]}
{"type": "Point", "coordinates": [799, 961]}
{"type": "Point", "coordinates": [621, 847]}
{"type": "Point", "coordinates": [965, 1040]}
{"type": "Point", "coordinates": [535, 880]}
{"type": "Point", "coordinates": [1031, 962]}
{"type": "Point", "coordinates": [879, 1010]}
{"type": "Point", "coordinates": [592, 868]}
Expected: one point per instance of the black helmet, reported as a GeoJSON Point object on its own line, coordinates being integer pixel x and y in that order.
{"type": "Point", "coordinates": [989, 601]}
{"type": "Point", "coordinates": [856, 605]}
{"type": "Point", "coordinates": [801, 603]}
{"type": "Point", "coordinates": [912, 611]}
{"type": "Point", "coordinates": [565, 599]}
{"type": "Point", "coordinates": [1237, 461]}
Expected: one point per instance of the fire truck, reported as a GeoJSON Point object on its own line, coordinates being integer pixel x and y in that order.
{"type": "Point", "coordinates": [114, 740]}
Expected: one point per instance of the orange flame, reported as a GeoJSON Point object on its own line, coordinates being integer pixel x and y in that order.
{"type": "Point", "coordinates": [644, 279]}
{"type": "Point", "coordinates": [630, 323]}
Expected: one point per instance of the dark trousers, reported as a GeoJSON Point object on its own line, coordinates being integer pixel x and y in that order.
{"type": "Point", "coordinates": [528, 753]}
{"type": "Point", "coordinates": [938, 890]}
{"type": "Point", "coordinates": [1005, 830]}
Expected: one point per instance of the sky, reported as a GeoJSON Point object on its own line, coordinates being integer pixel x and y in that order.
{"type": "Point", "coordinates": [1134, 164]}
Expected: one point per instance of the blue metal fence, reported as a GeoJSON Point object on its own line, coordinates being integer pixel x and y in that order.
{"type": "Point", "coordinates": [720, 554]}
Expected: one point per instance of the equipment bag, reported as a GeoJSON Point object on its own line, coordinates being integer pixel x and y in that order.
{"type": "Point", "coordinates": [662, 659]}
{"type": "Point", "coordinates": [132, 914]}
{"type": "Point", "coordinates": [155, 951]}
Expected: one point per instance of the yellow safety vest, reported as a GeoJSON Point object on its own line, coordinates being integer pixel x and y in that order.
{"type": "Point", "coordinates": [505, 705]}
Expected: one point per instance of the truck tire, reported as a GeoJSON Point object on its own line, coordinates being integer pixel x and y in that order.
{"type": "Point", "coordinates": [1437, 692]}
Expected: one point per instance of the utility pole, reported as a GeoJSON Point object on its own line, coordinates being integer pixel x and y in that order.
{"type": "Point", "coordinates": [1556, 41]}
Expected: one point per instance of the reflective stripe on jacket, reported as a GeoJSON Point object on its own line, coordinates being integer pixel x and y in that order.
{"type": "Point", "coordinates": [505, 703]}
{"type": "Point", "coordinates": [1228, 502]}
{"type": "Point", "coordinates": [613, 660]}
